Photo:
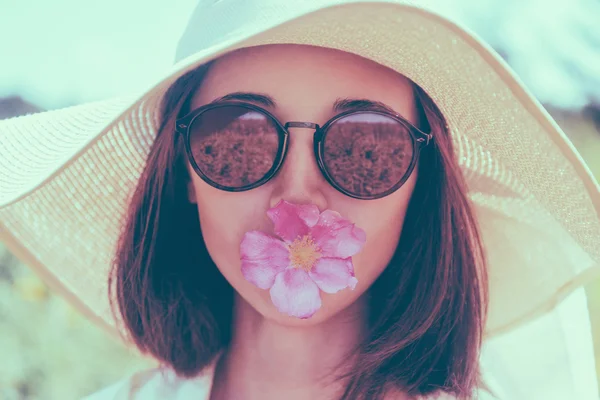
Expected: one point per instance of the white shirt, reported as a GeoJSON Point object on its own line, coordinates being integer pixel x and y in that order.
{"type": "Point", "coordinates": [550, 358]}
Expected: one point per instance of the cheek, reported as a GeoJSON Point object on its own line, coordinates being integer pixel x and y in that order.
{"type": "Point", "coordinates": [382, 241]}
{"type": "Point", "coordinates": [224, 218]}
{"type": "Point", "coordinates": [382, 221]}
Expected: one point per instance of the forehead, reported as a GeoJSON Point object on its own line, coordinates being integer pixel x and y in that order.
{"type": "Point", "coordinates": [305, 79]}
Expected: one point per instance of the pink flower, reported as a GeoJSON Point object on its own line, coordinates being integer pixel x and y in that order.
{"type": "Point", "coordinates": [314, 251]}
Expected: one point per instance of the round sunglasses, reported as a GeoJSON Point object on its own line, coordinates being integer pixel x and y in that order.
{"type": "Point", "coordinates": [236, 146]}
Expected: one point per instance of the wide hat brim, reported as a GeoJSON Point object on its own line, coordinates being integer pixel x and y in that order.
{"type": "Point", "coordinates": [66, 175]}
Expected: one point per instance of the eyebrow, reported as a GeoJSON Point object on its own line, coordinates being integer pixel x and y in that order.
{"type": "Point", "coordinates": [340, 105]}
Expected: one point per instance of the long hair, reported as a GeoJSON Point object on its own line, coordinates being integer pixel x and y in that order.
{"type": "Point", "coordinates": [426, 311]}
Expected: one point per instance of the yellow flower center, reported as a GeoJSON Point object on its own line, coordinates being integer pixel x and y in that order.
{"type": "Point", "coordinates": [304, 253]}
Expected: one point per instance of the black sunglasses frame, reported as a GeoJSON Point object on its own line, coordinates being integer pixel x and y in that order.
{"type": "Point", "coordinates": [419, 138]}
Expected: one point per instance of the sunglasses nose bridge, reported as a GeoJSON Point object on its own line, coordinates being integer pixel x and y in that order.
{"type": "Point", "coordinates": [316, 137]}
{"type": "Point", "coordinates": [301, 138]}
{"type": "Point", "coordinates": [301, 124]}
{"type": "Point", "coordinates": [299, 178]}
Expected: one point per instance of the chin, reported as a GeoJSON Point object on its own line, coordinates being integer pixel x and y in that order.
{"type": "Point", "coordinates": [333, 306]}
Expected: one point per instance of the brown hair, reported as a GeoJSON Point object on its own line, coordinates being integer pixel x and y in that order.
{"type": "Point", "coordinates": [426, 311]}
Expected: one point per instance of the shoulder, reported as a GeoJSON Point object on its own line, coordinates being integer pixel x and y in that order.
{"type": "Point", "coordinates": [479, 395]}
{"type": "Point", "coordinates": [155, 384]}
{"type": "Point", "coordinates": [159, 383]}
{"type": "Point", "coordinates": [129, 387]}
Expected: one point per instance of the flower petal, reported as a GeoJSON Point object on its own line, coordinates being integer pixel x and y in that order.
{"type": "Point", "coordinates": [333, 274]}
{"type": "Point", "coordinates": [293, 220]}
{"type": "Point", "coordinates": [262, 257]}
{"type": "Point", "coordinates": [295, 294]}
{"type": "Point", "coordinates": [336, 236]}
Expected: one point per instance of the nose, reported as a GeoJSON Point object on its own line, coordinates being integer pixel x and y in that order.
{"type": "Point", "coordinates": [299, 179]}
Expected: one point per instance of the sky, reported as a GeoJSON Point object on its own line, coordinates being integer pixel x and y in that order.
{"type": "Point", "coordinates": [56, 53]}
{"type": "Point", "coordinates": [554, 46]}
{"type": "Point", "coordinates": [61, 52]}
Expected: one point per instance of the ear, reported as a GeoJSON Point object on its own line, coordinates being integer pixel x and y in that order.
{"type": "Point", "coordinates": [191, 192]}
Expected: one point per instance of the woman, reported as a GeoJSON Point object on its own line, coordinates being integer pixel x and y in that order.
{"type": "Point", "coordinates": [320, 207]}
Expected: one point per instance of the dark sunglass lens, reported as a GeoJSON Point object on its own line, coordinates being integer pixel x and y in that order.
{"type": "Point", "coordinates": [234, 146]}
{"type": "Point", "coordinates": [367, 153]}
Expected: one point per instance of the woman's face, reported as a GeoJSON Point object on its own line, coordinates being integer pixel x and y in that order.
{"type": "Point", "coordinates": [305, 82]}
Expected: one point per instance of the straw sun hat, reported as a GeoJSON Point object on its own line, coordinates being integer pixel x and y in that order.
{"type": "Point", "coordinates": [66, 175]}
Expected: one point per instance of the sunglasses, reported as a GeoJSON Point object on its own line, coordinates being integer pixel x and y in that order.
{"type": "Point", "coordinates": [236, 146]}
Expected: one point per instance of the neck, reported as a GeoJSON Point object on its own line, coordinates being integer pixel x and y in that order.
{"type": "Point", "coordinates": [268, 360]}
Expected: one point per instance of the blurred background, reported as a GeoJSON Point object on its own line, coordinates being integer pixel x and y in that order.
{"type": "Point", "coordinates": [65, 52]}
